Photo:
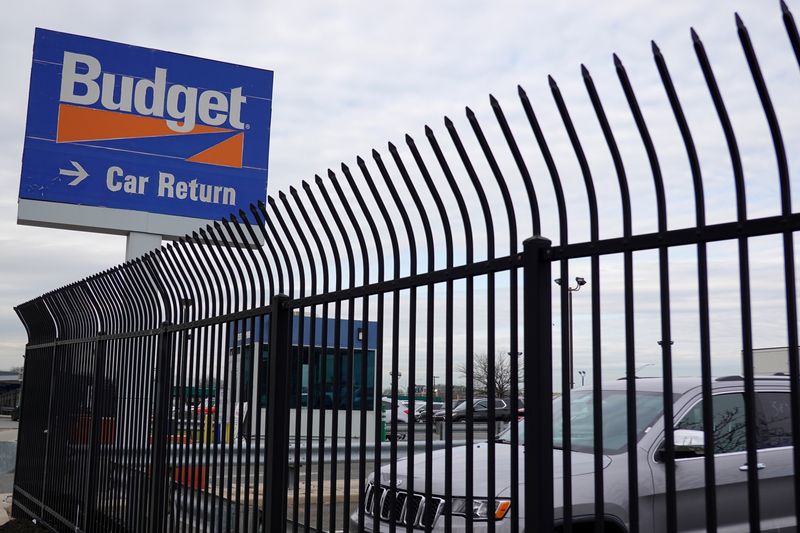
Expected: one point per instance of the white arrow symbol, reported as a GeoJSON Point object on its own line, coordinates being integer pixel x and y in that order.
{"type": "Point", "coordinates": [79, 173]}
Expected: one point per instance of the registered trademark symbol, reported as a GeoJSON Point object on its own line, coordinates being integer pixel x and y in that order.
{"type": "Point", "coordinates": [247, 126]}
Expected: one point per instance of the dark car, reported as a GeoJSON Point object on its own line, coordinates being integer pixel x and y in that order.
{"type": "Point", "coordinates": [422, 410]}
{"type": "Point", "coordinates": [480, 410]}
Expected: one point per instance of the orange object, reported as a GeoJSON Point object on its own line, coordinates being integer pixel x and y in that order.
{"type": "Point", "coordinates": [174, 439]}
{"type": "Point", "coordinates": [227, 153]}
{"type": "Point", "coordinates": [77, 123]}
{"type": "Point", "coordinates": [82, 428]}
{"type": "Point", "coordinates": [502, 509]}
{"type": "Point", "coordinates": [190, 476]}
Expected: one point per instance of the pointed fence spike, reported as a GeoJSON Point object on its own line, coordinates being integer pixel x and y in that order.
{"type": "Point", "coordinates": [656, 49]}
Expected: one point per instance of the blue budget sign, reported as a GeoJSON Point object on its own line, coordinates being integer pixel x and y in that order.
{"type": "Point", "coordinates": [129, 128]}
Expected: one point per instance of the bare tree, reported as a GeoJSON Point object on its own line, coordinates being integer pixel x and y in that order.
{"type": "Point", "coordinates": [503, 375]}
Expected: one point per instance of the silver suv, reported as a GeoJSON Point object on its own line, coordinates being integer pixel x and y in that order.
{"type": "Point", "coordinates": [774, 464]}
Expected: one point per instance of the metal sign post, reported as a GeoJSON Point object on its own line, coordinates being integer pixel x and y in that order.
{"type": "Point", "coordinates": [139, 244]}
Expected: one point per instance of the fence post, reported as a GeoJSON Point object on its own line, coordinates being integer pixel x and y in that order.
{"type": "Point", "coordinates": [538, 346]}
{"type": "Point", "coordinates": [158, 465]}
{"type": "Point", "coordinates": [90, 497]}
{"type": "Point", "coordinates": [277, 438]}
{"type": "Point", "coordinates": [49, 427]}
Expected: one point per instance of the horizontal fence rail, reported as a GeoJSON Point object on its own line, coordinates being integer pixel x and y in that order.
{"type": "Point", "coordinates": [385, 360]}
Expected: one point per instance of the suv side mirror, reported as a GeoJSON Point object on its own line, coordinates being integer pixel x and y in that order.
{"type": "Point", "coordinates": [688, 443]}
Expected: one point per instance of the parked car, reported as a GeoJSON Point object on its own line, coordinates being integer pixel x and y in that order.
{"type": "Point", "coordinates": [773, 407]}
{"type": "Point", "coordinates": [401, 410]}
{"type": "Point", "coordinates": [207, 406]}
{"type": "Point", "coordinates": [422, 410]}
{"type": "Point", "coordinates": [480, 410]}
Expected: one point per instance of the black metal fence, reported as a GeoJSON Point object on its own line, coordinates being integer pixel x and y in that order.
{"type": "Point", "coordinates": [215, 385]}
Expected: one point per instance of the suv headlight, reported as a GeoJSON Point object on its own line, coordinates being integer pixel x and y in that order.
{"type": "Point", "coordinates": [480, 508]}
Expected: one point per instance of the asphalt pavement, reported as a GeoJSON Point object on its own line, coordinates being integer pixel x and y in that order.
{"type": "Point", "coordinates": [8, 433]}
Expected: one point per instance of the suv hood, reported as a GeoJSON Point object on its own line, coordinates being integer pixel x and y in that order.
{"type": "Point", "coordinates": [582, 463]}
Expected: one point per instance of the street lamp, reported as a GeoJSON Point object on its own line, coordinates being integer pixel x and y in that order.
{"type": "Point", "coordinates": [582, 373]}
{"type": "Point", "coordinates": [580, 282]}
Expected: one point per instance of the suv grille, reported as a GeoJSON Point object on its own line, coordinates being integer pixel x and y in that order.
{"type": "Point", "coordinates": [412, 509]}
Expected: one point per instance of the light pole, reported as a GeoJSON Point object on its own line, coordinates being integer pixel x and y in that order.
{"type": "Point", "coordinates": [393, 377]}
{"type": "Point", "coordinates": [580, 282]}
{"type": "Point", "coordinates": [582, 373]}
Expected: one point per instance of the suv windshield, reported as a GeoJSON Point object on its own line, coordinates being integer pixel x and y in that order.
{"type": "Point", "coordinates": [648, 409]}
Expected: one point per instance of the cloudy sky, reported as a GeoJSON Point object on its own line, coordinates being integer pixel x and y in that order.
{"type": "Point", "coordinates": [351, 76]}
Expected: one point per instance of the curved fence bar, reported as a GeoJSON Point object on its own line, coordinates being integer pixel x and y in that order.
{"type": "Point", "coordinates": [702, 280]}
{"type": "Point", "coordinates": [294, 367]}
{"type": "Point", "coordinates": [663, 267]}
{"type": "Point", "coordinates": [753, 501]}
{"type": "Point", "coordinates": [597, 413]}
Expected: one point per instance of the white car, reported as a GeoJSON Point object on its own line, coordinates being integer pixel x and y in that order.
{"type": "Point", "coordinates": [401, 409]}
